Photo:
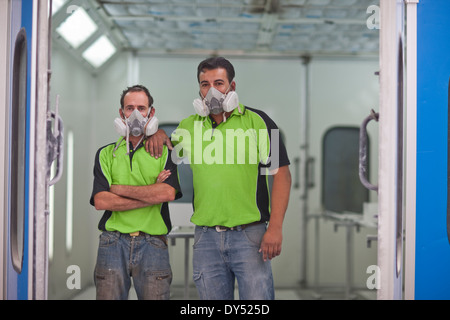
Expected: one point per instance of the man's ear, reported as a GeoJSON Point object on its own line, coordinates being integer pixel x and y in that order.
{"type": "Point", "coordinates": [121, 114]}
{"type": "Point", "coordinates": [233, 85]}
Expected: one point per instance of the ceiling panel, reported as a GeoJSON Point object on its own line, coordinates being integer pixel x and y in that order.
{"type": "Point", "coordinates": [270, 28]}
{"type": "Point", "coordinates": [277, 27]}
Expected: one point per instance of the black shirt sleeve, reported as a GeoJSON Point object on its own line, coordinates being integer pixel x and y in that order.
{"type": "Point", "coordinates": [173, 180]}
{"type": "Point", "coordinates": [100, 181]}
{"type": "Point", "coordinates": [278, 154]}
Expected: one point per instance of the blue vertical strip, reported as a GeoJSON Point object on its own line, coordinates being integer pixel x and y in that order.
{"type": "Point", "coordinates": [27, 23]}
{"type": "Point", "coordinates": [432, 279]}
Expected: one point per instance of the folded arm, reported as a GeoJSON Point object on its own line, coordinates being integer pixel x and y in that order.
{"type": "Point", "coordinates": [106, 200]}
{"type": "Point", "coordinates": [151, 194]}
{"type": "Point", "coordinates": [124, 197]}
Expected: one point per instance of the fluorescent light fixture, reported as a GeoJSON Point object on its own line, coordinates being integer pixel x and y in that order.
{"type": "Point", "coordinates": [99, 52]}
{"type": "Point", "coordinates": [77, 28]}
{"type": "Point", "coordinates": [56, 5]}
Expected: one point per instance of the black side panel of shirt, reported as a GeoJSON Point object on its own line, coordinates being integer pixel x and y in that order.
{"type": "Point", "coordinates": [262, 191]}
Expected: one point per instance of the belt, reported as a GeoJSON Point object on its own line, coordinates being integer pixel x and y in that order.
{"type": "Point", "coordinates": [241, 227]}
{"type": "Point", "coordinates": [137, 234]}
{"type": "Point", "coordinates": [140, 233]}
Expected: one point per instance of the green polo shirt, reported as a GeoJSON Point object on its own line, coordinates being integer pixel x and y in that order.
{"type": "Point", "coordinates": [136, 169]}
{"type": "Point", "coordinates": [229, 163]}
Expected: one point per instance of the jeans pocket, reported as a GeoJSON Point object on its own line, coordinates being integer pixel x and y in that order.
{"type": "Point", "coordinates": [108, 238]}
{"type": "Point", "coordinates": [159, 284]}
{"type": "Point", "coordinates": [107, 284]}
{"type": "Point", "coordinates": [199, 284]}
{"type": "Point", "coordinates": [254, 234]}
{"type": "Point", "coordinates": [156, 242]}
{"type": "Point", "coordinates": [198, 234]}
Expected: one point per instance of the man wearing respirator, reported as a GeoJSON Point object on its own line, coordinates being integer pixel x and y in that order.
{"type": "Point", "coordinates": [232, 150]}
{"type": "Point", "coordinates": [133, 189]}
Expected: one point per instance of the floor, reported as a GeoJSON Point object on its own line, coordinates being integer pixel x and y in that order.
{"type": "Point", "coordinates": [177, 293]}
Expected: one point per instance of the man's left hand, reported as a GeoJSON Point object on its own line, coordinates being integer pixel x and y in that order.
{"type": "Point", "coordinates": [271, 244]}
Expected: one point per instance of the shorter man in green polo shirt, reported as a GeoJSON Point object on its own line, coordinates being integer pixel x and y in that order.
{"type": "Point", "coordinates": [133, 188]}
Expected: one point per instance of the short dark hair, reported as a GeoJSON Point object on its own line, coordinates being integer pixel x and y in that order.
{"type": "Point", "coordinates": [136, 88]}
{"type": "Point", "coordinates": [214, 63]}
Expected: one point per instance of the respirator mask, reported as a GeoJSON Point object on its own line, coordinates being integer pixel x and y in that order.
{"type": "Point", "coordinates": [216, 102]}
{"type": "Point", "coordinates": [136, 125]}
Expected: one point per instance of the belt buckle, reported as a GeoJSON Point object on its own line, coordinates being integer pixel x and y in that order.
{"type": "Point", "coordinates": [221, 229]}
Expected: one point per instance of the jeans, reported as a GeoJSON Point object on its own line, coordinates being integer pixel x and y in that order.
{"type": "Point", "coordinates": [220, 258]}
{"type": "Point", "coordinates": [121, 257]}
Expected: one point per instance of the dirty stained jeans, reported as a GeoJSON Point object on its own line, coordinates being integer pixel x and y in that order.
{"type": "Point", "coordinates": [122, 257]}
{"type": "Point", "coordinates": [220, 258]}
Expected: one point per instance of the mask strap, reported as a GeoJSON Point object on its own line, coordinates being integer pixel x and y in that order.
{"type": "Point", "coordinates": [117, 146]}
{"type": "Point", "coordinates": [229, 87]}
{"type": "Point", "coordinates": [125, 120]}
{"type": "Point", "coordinates": [128, 140]}
{"type": "Point", "coordinates": [128, 143]}
{"type": "Point", "coordinates": [143, 136]}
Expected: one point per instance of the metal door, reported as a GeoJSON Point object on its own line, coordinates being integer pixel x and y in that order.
{"type": "Point", "coordinates": [28, 154]}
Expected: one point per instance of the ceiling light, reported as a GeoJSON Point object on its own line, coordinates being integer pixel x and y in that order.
{"type": "Point", "coordinates": [99, 52]}
{"type": "Point", "coordinates": [77, 28]}
{"type": "Point", "coordinates": [56, 5]}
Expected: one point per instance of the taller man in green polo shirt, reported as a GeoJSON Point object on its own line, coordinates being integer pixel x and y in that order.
{"type": "Point", "coordinates": [232, 149]}
{"type": "Point", "coordinates": [133, 189]}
